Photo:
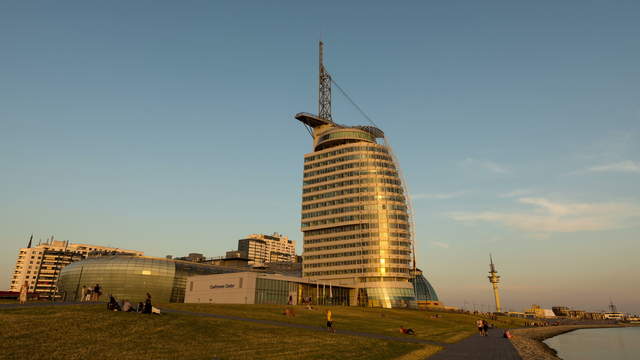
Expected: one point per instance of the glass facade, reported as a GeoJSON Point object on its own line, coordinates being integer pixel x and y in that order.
{"type": "Point", "coordinates": [355, 217]}
{"type": "Point", "coordinates": [273, 291]}
{"type": "Point", "coordinates": [423, 289]}
{"type": "Point", "coordinates": [131, 277]}
{"type": "Point", "coordinates": [390, 297]}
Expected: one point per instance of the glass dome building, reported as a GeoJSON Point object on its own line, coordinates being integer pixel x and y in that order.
{"type": "Point", "coordinates": [132, 277]}
{"type": "Point", "coordinates": [425, 293]}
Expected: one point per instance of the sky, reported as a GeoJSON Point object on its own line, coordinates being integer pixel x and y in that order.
{"type": "Point", "coordinates": [168, 127]}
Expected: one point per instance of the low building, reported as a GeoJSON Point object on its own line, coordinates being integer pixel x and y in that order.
{"type": "Point", "coordinates": [577, 314]}
{"type": "Point", "coordinates": [233, 254]}
{"type": "Point", "coordinates": [193, 257]}
{"type": "Point", "coordinates": [132, 277]}
{"type": "Point", "coordinates": [262, 288]}
{"type": "Point", "coordinates": [262, 248]}
{"type": "Point", "coordinates": [40, 265]}
{"type": "Point", "coordinates": [516, 314]}
{"type": "Point", "coordinates": [561, 311]}
{"type": "Point", "coordinates": [535, 311]}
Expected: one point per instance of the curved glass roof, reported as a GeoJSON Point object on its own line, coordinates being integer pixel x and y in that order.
{"type": "Point", "coordinates": [424, 290]}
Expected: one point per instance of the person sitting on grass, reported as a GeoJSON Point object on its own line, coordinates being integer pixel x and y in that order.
{"type": "Point", "coordinates": [406, 331]}
{"type": "Point", "coordinates": [113, 304]}
{"type": "Point", "coordinates": [147, 305]}
{"type": "Point", "coordinates": [288, 312]}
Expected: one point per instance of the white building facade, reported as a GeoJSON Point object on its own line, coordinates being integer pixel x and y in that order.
{"type": "Point", "coordinates": [261, 248]}
{"type": "Point", "coordinates": [40, 265]}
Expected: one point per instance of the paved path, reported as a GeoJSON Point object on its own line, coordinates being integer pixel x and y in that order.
{"type": "Point", "coordinates": [476, 347]}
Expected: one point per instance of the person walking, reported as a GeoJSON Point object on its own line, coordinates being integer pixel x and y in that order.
{"type": "Point", "coordinates": [83, 293]}
{"type": "Point", "coordinates": [24, 291]}
{"type": "Point", "coordinates": [480, 327]}
{"type": "Point", "coordinates": [485, 327]}
{"type": "Point", "coordinates": [330, 327]}
{"type": "Point", "coordinates": [97, 291]}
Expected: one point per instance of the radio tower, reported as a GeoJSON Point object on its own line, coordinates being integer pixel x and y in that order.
{"type": "Point", "coordinates": [324, 103]}
{"type": "Point", "coordinates": [494, 279]}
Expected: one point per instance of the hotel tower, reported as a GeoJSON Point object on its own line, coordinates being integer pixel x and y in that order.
{"type": "Point", "coordinates": [355, 219]}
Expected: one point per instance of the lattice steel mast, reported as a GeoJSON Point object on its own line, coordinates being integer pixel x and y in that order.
{"type": "Point", "coordinates": [324, 95]}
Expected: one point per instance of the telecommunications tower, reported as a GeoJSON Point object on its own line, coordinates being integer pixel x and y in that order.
{"type": "Point", "coordinates": [494, 279]}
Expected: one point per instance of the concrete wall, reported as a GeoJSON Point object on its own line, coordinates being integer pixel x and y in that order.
{"type": "Point", "coordinates": [233, 288]}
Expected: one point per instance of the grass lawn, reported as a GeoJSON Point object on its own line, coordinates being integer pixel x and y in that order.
{"type": "Point", "coordinates": [92, 332]}
{"type": "Point", "coordinates": [446, 328]}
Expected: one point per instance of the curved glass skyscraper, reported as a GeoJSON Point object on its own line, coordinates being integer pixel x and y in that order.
{"type": "Point", "coordinates": [355, 219]}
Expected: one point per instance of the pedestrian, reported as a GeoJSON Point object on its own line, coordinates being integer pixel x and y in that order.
{"type": "Point", "coordinates": [83, 293]}
{"type": "Point", "coordinates": [485, 327]}
{"type": "Point", "coordinates": [89, 295]}
{"type": "Point", "coordinates": [330, 327]}
{"type": "Point", "coordinates": [480, 327]}
{"type": "Point", "coordinates": [97, 291]}
{"type": "Point", "coordinates": [24, 291]}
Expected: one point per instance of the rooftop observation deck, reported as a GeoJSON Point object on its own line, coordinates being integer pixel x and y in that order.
{"type": "Point", "coordinates": [313, 120]}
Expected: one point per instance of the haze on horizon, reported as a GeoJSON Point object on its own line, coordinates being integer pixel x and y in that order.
{"type": "Point", "coordinates": [168, 128]}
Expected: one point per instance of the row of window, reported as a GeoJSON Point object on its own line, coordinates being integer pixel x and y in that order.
{"type": "Point", "coordinates": [349, 237]}
{"type": "Point", "coordinates": [376, 164]}
{"type": "Point", "coordinates": [355, 253]}
{"type": "Point", "coordinates": [347, 134]}
{"type": "Point", "coordinates": [347, 158]}
{"type": "Point", "coordinates": [331, 194]}
{"type": "Point", "coordinates": [346, 150]}
{"type": "Point", "coordinates": [350, 174]}
{"type": "Point", "coordinates": [369, 198]}
{"type": "Point", "coordinates": [356, 271]}
{"type": "Point", "coordinates": [354, 208]}
{"type": "Point", "coordinates": [356, 262]}
{"type": "Point", "coordinates": [355, 227]}
{"type": "Point", "coordinates": [354, 218]}
{"type": "Point", "coordinates": [356, 244]}
{"type": "Point", "coordinates": [352, 182]}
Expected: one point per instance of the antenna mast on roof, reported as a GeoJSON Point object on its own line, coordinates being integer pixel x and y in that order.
{"type": "Point", "coordinates": [324, 95]}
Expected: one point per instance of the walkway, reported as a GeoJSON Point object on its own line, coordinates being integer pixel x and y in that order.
{"type": "Point", "coordinates": [476, 347]}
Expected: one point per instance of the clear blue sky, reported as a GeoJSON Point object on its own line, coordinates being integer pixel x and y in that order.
{"type": "Point", "coordinates": [168, 127]}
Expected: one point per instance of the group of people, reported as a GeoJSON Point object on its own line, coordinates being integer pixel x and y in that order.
{"type": "Point", "coordinates": [127, 306]}
{"type": "Point", "coordinates": [483, 327]}
{"type": "Point", "coordinates": [91, 293]}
